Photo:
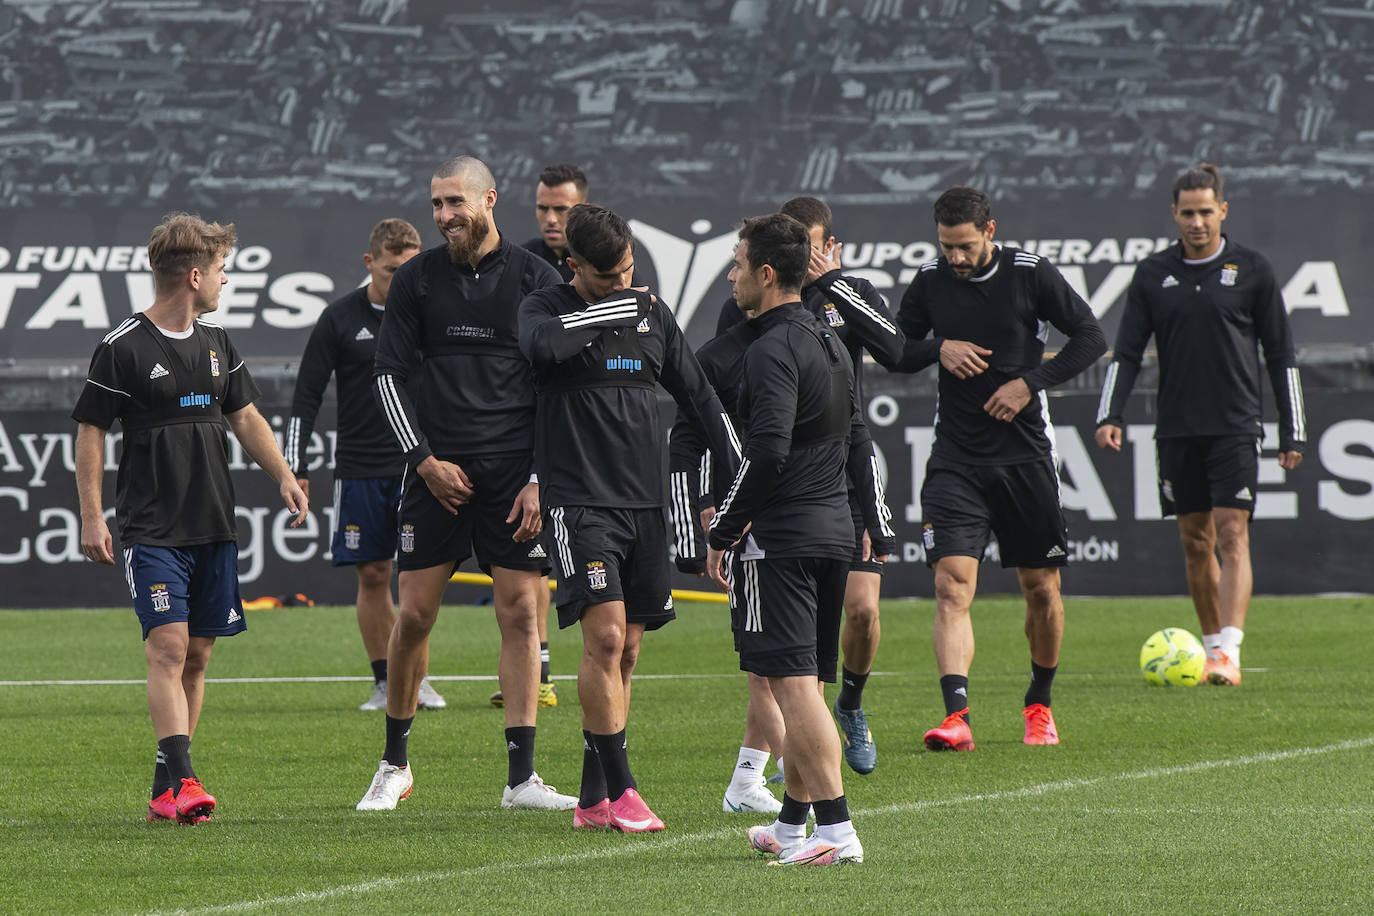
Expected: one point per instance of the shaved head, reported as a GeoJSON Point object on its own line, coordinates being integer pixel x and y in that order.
{"type": "Point", "coordinates": [472, 171]}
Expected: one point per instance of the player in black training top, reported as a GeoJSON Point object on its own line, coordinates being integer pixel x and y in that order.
{"type": "Point", "coordinates": [469, 486]}
{"type": "Point", "coordinates": [788, 573]}
{"type": "Point", "coordinates": [368, 465]}
{"type": "Point", "coordinates": [861, 320]}
{"type": "Point", "coordinates": [1210, 305]}
{"type": "Point", "coordinates": [722, 359]}
{"type": "Point", "coordinates": [599, 350]}
{"type": "Point", "coordinates": [173, 381]}
{"type": "Point", "coordinates": [993, 465]}
{"type": "Point", "coordinates": [561, 187]}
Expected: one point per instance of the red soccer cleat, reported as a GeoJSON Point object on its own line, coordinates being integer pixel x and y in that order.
{"type": "Point", "coordinates": [597, 817]}
{"type": "Point", "coordinates": [1220, 670]}
{"type": "Point", "coordinates": [194, 804]}
{"type": "Point", "coordinates": [631, 815]}
{"type": "Point", "coordinates": [953, 734]}
{"type": "Point", "coordinates": [163, 808]}
{"type": "Point", "coordinates": [1040, 725]}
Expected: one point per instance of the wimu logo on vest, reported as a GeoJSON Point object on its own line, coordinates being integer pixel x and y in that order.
{"type": "Point", "coordinates": [624, 364]}
{"type": "Point", "coordinates": [196, 400]}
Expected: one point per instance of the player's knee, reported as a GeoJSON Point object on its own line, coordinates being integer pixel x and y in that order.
{"type": "Point", "coordinates": [605, 645]}
{"type": "Point", "coordinates": [415, 623]}
{"type": "Point", "coordinates": [861, 613]}
{"type": "Point", "coordinates": [374, 575]}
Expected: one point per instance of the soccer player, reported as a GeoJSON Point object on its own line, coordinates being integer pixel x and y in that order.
{"type": "Point", "coordinates": [598, 350]}
{"type": "Point", "coordinates": [368, 466]}
{"type": "Point", "coordinates": [722, 359]}
{"type": "Point", "coordinates": [173, 380]}
{"type": "Point", "coordinates": [859, 317]}
{"type": "Point", "coordinates": [788, 573]}
{"type": "Point", "coordinates": [993, 465]}
{"type": "Point", "coordinates": [561, 187]}
{"type": "Point", "coordinates": [1210, 304]}
{"type": "Point", "coordinates": [468, 487]}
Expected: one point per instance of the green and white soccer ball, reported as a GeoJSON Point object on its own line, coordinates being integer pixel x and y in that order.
{"type": "Point", "coordinates": [1172, 657]}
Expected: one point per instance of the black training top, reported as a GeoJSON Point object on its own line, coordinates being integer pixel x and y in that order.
{"type": "Point", "coordinates": [344, 345]}
{"type": "Point", "coordinates": [1209, 320]}
{"type": "Point", "coordinates": [596, 366]}
{"type": "Point", "coordinates": [797, 400]}
{"type": "Point", "coordinates": [456, 328]}
{"type": "Point", "coordinates": [1007, 309]}
{"type": "Point", "coordinates": [170, 396]}
{"type": "Point", "coordinates": [553, 258]}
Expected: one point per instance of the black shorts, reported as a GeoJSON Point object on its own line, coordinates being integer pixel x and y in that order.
{"type": "Point", "coordinates": [605, 555]}
{"type": "Point", "coordinates": [1017, 502]}
{"type": "Point", "coordinates": [430, 535]}
{"type": "Point", "coordinates": [364, 519]}
{"type": "Point", "coordinates": [1200, 473]}
{"type": "Point", "coordinates": [857, 563]}
{"type": "Point", "coordinates": [786, 612]}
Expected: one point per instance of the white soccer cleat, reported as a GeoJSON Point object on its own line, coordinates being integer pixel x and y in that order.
{"type": "Point", "coordinates": [389, 786]}
{"type": "Point", "coordinates": [533, 795]}
{"type": "Point", "coordinates": [429, 697]}
{"type": "Point", "coordinates": [816, 851]}
{"type": "Point", "coordinates": [753, 799]}
{"type": "Point", "coordinates": [775, 840]}
{"type": "Point", "coordinates": [378, 698]}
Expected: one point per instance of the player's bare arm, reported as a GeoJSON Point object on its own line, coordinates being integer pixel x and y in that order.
{"type": "Point", "coordinates": [96, 542]}
{"type": "Point", "coordinates": [447, 481]}
{"type": "Point", "coordinates": [963, 359]}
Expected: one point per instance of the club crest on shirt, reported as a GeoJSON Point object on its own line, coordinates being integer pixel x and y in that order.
{"type": "Point", "coordinates": [353, 536]}
{"type": "Point", "coordinates": [162, 599]}
{"type": "Point", "coordinates": [833, 316]}
{"type": "Point", "coordinates": [1228, 274]}
{"type": "Point", "coordinates": [214, 364]}
{"type": "Point", "coordinates": [407, 538]}
{"type": "Point", "coordinates": [596, 575]}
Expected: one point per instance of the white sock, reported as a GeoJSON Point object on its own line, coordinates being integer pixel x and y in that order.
{"type": "Point", "coordinates": [1211, 641]}
{"type": "Point", "coordinates": [788, 832]}
{"type": "Point", "coordinates": [749, 768]}
{"type": "Point", "coordinates": [836, 833]}
{"type": "Point", "coordinates": [1230, 642]}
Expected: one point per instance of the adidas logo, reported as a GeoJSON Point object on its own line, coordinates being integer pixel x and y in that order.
{"type": "Point", "coordinates": [512, 746]}
{"type": "Point", "coordinates": [746, 765]}
{"type": "Point", "coordinates": [158, 372]}
{"type": "Point", "coordinates": [668, 606]}
{"type": "Point", "coordinates": [1168, 282]}
{"type": "Point", "coordinates": [234, 616]}
{"type": "Point", "coordinates": [537, 552]}
{"type": "Point", "coordinates": [1244, 493]}
{"type": "Point", "coordinates": [643, 326]}
{"type": "Point", "coordinates": [1055, 551]}
{"type": "Point", "coordinates": [363, 334]}
{"type": "Point", "coordinates": [960, 691]}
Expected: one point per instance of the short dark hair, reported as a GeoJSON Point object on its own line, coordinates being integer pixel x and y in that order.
{"type": "Point", "coordinates": [551, 176]}
{"type": "Point", "coordinates": [393, 235]}
{"type": "Point", "coordinates": [1203, 177]}
{"type": "Point", "coordinates": [809, 211]}
{"type": "Point", "coordinates": [597, 236]}
{"type": "Point", "coordinates": [962, 204]}
{"type": "Point", "coordinates": [781, 242]}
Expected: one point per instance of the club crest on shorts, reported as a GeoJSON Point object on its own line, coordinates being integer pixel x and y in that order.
{"type": "Point", "coordinates": [928, 536]}
{"type": "Point", "coordinates": [353, 536]}
{"type": "Point", "coordinates": [1167, 488]}
{"type": "Point", "coordinates": [214, 364]}
{"type": "Point", "coordinates": [162, 599]}
{"type": "Point", "coordinates": [407, 538]}
{"type": "Point", "coordinates": [1228, 274]}
{"type": "Point", "coordinates": [596, 575]}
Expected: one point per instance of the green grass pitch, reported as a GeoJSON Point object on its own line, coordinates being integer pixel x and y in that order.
{"type": "Point", "coordinates": [1203, 800]}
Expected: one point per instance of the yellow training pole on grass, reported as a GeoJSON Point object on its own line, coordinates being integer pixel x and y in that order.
{"type": "Point", "coordinates": [679, 594]}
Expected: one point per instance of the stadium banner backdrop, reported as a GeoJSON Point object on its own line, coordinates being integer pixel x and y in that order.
{"type": "Point", "coordinates": [68, 276]}
{"type": "Point", "coordinates": [1309, 533]}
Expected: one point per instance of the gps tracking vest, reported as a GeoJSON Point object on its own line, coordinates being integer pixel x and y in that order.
{"type": "Point", "coordinates": [180, 394]}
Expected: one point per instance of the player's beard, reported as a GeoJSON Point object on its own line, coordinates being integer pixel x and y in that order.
{"type": "Point", "coordinates": [463, 250]}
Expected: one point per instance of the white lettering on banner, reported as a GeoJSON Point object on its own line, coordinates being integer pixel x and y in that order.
{"type": "Point", "coordinates": [1336, 456]}
{"type": "Point", "coordinates": [919, 440]}
{"type": "Point", "coordinates": [142, 291]}
{"type": "Point", "coordinates": [67, 536]}
{"type": "Point", "coordinates": [1316, 285]}
{"type": "Point", "coordinates": [20, 496]}
{"type": "Point", "coordinates": [283, 534]}
{"type": "Point", "coordinates": [79, 297]}
{"type": "Point", "coordinates": [7, 452]}
{"type": "Point", "coordinates": [1144, 471]}
{"type": "Point", "coordinates": [295, 307]}
{"type": "Point", "coordinates": [1080, 487]}
{"type": "Point", "coordinates": [40, 459]}
{"type": "Point", "coordinates": [4, 257]}
{"type": "Point", "coordinates": [237, 300]}
{"type": "Point", "coordinates": [9, 283]}
{"type": "Point", "coordinates": [1108, 291]}
{"type": "Point", "coordinates": [1271, 504]}
{"type": "Point", "coordinates": [883, 410]}
{"type": "Point", "coordinates": [252, 552]}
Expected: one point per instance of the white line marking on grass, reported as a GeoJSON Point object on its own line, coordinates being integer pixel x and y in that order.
{"type": "Point", "coordinates": [648, 844]}
{"type": "Point", "coordinates": [349, 678]}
